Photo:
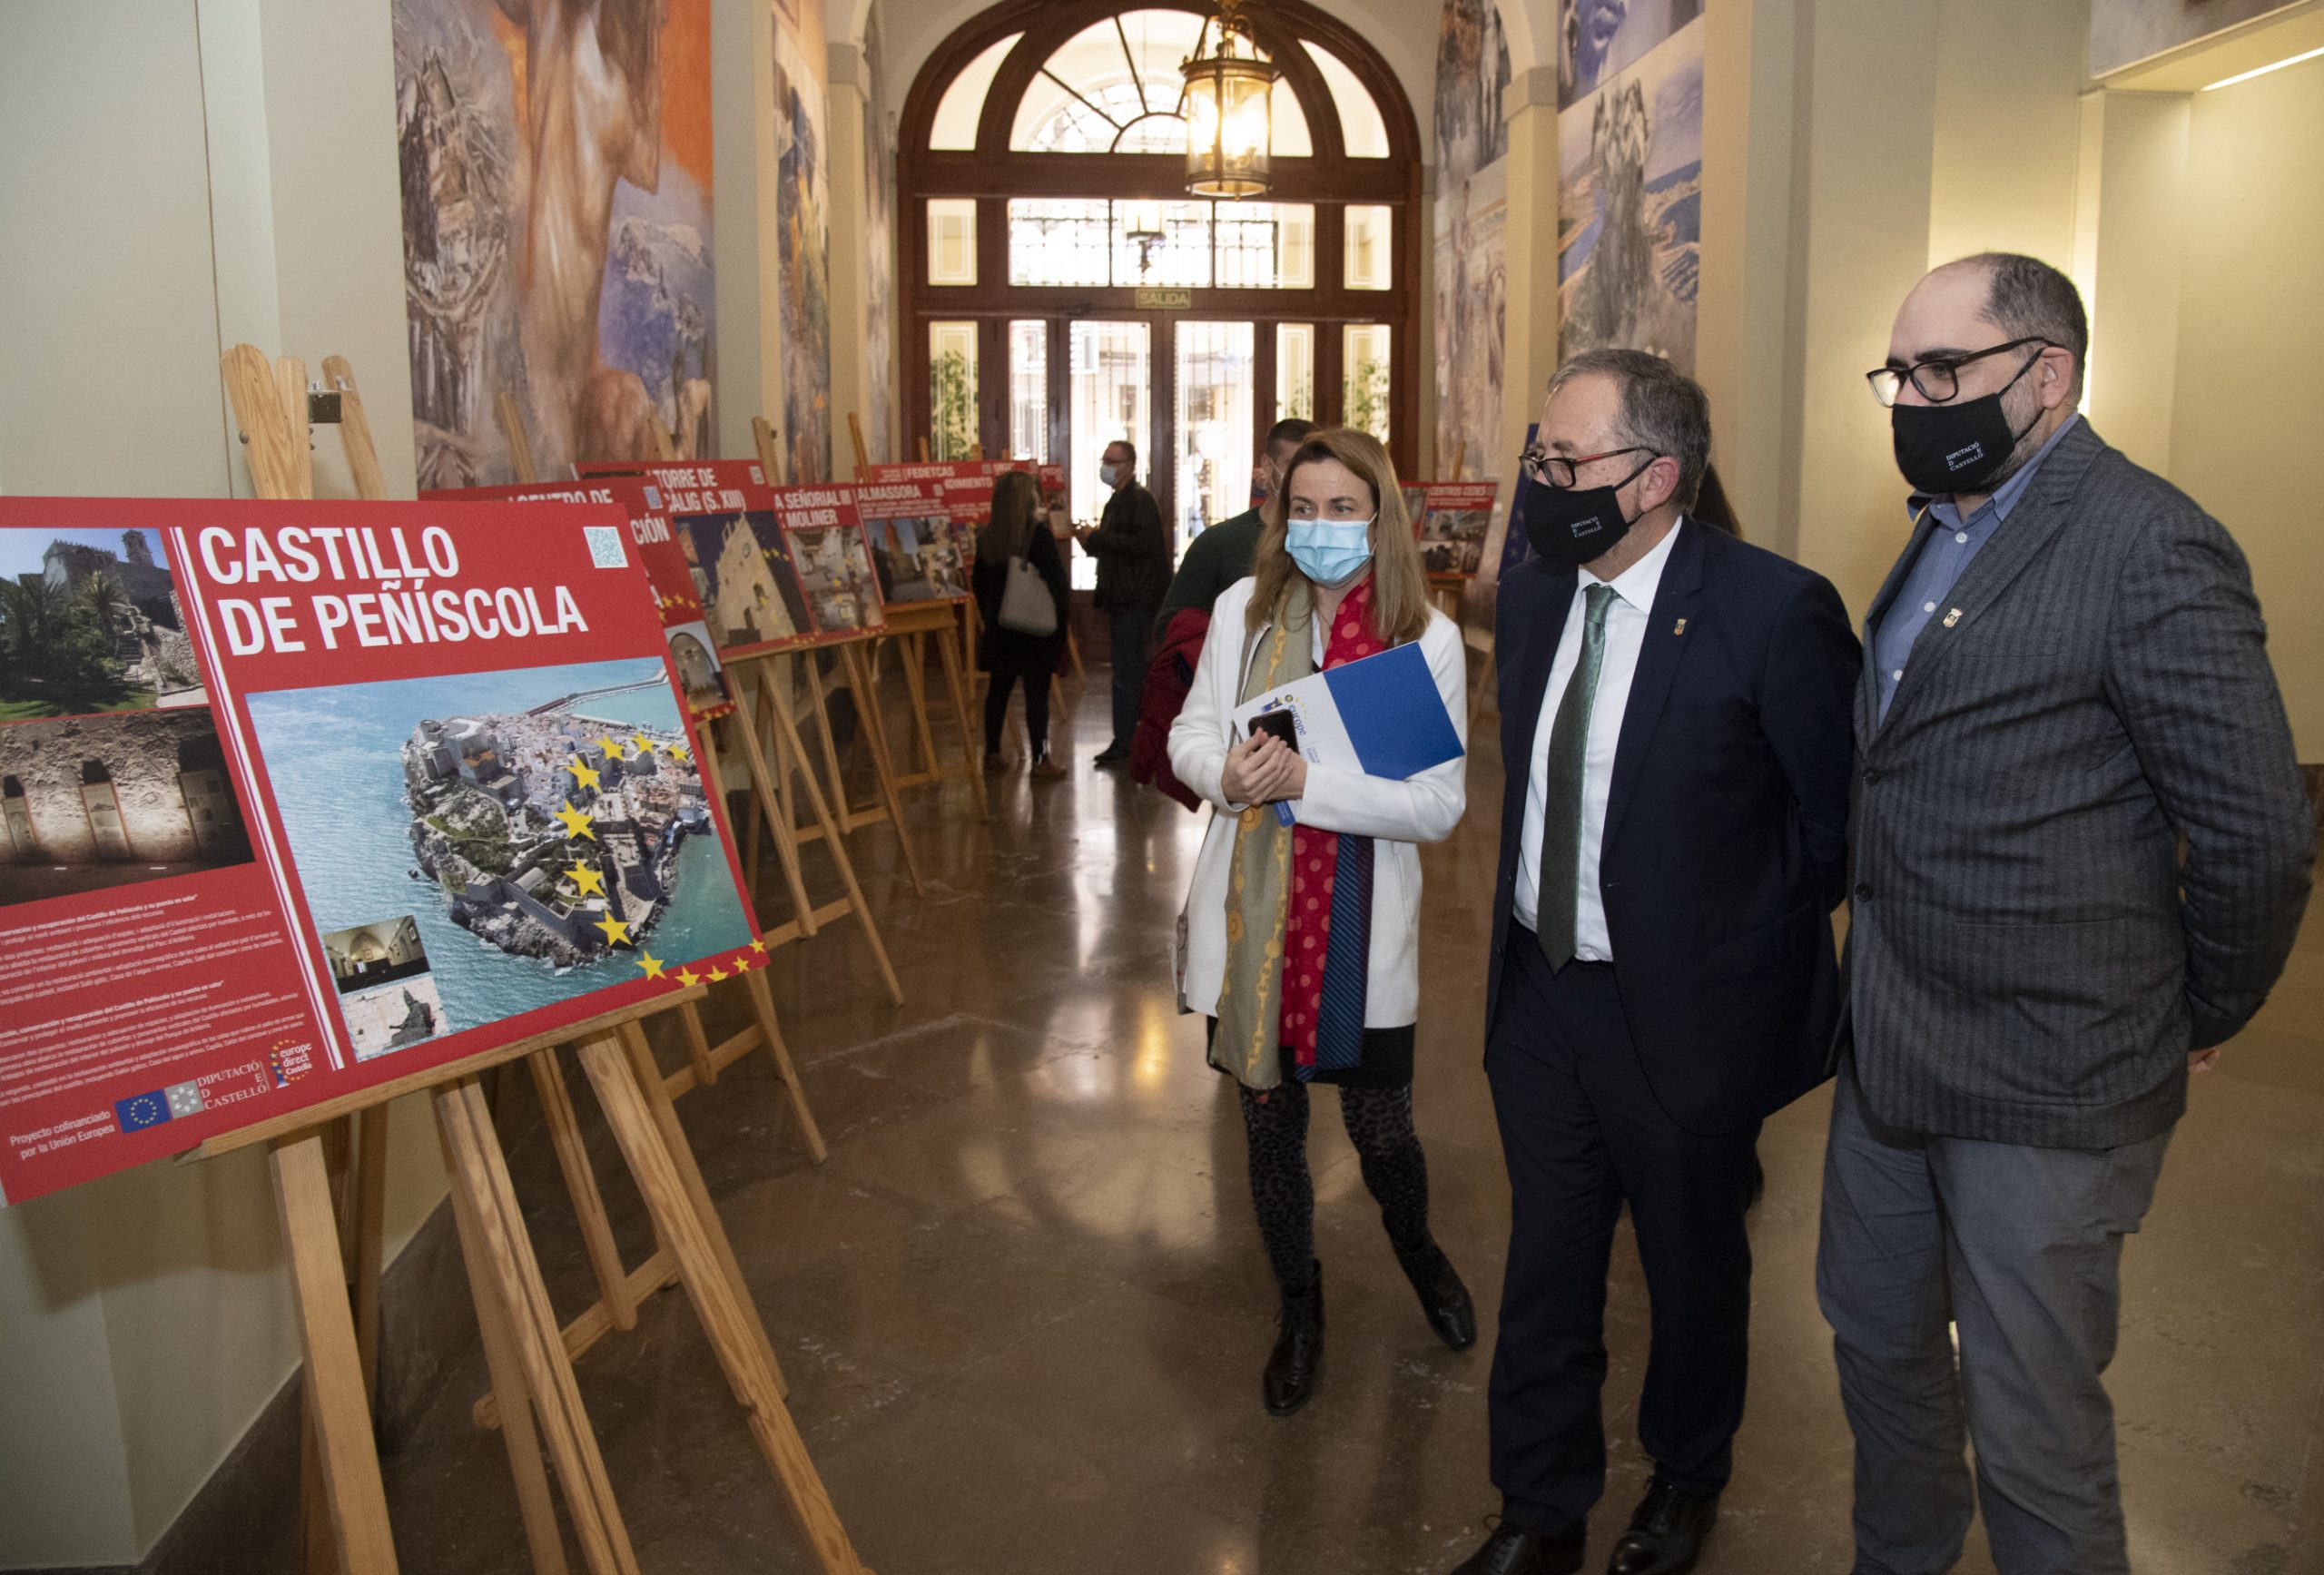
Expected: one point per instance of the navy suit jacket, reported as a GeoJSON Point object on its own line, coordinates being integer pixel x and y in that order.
{"type": "Point", "coordinates": [1726, 842]}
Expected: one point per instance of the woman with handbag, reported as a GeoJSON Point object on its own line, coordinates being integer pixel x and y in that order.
{"type": "Point", "coordinates": [1022, 590]}
{"type": "Point", "coordinates": [1303, 984]}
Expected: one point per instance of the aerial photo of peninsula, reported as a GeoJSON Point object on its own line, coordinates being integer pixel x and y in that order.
{"type": "Point", "coordinates": [543, 830]}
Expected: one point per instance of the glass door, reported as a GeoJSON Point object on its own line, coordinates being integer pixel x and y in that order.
{"type": "Point", "coordinates": [1214, 427]}
{"type": "Point", "coordinates": [1110, 390]}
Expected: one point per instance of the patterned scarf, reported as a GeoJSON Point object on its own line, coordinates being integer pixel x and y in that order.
{"type": "Point", "coordinates": [1327, 944]}
{"type": "Point", "coordinates": [1296, 892]}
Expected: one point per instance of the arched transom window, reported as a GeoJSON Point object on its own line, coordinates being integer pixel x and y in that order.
{"type": "Point", "coordinates": [1062, 291]}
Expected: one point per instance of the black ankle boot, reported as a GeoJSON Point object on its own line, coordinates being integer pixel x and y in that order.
{"type": "Point", "coordinates": [1442, 1297]}
{"type": "Point", "coordinates": [1298, 1348]}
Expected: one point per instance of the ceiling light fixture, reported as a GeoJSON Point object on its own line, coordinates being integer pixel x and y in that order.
{"type": "Point", "coordinates": [2260, 71]}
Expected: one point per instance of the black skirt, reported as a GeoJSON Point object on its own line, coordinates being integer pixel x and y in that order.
{"type": "Point", "coordinates": [1386, 1059]}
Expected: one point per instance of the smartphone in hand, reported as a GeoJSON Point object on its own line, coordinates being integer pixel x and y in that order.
{"type": "Point", "coordinates": [1281, 724]}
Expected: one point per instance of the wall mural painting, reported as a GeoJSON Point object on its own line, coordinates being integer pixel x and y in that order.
{"type": "Point", "coordinates": [1471, 223]}
{"type": "Point", "coordinates": [1629, 183]}
{"type": "Point", "coordinates": [879, 253]}
{"type": "Point", "coordinates": [2124, 31]}
{"type": "Point", "coordinates": [803, 237]}
{"type": "Point", "coordinates": [555, 173]}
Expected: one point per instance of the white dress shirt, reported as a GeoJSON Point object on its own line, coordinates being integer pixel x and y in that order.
{"type": "Point", "coordinates": [1626, 622]}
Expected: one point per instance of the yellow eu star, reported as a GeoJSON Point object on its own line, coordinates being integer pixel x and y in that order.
{"type": "Point", "coordinates": [651, 964]}
{"type": "Point", "coordinates": [642, 744]}
{"type": "Point", "coordinates": [607, 747]}
{"type": "Point", "coordinates": [759, 947]}
{"type": "Point", "coordinates": [584, 773]}
{"type": "Point", "coordinates": [586, 882]}
{"type": "Point", "coordinates": [576, 822]}
{"type": "Point", "coordinates": [679, 752]}
{"type": "Point", "coordinates": [718, 976]}
{"type": "Point", "coordinates": [688, 977]}
{"type": "Point", "coordinates": [616, 930]}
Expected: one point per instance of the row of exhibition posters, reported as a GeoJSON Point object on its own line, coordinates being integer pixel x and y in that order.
{"type": "Point", "coordinates": [299, 798]}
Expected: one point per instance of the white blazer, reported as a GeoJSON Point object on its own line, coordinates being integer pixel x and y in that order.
{"type": "Point", "coordinates": [1401, 814]}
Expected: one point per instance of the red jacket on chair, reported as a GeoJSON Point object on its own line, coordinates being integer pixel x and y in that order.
{"type": "Point", "coordinates": [1167, 678]}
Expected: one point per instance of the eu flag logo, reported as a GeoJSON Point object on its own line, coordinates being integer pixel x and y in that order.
{"type": "Point", "coordinates": [143, 1111]}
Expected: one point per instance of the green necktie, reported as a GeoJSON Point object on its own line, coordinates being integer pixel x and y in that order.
{"type": "Point", "coordinates": [1559, 899]}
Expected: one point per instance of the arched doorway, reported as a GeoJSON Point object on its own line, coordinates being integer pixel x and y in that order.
{"type": "Point", "coordinates": [1060, 289]}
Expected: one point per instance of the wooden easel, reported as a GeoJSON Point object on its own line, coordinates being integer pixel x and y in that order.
{"type": "Point", "coordinates": [773, 752]}
{"type": "Point", "coordinates": [332, 1201]}
{"type": "Point", "coordinates": [532, 1376]}
{"type": "Point", "coordinates": [909, 630]}
{"type": "Point", "coordinates": [520, 445]}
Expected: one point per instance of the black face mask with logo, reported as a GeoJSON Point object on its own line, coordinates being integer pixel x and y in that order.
{"type": "Point", "coordinates": [1950, 448]}
{"type": "Point", "coordinates": [1572, 526]}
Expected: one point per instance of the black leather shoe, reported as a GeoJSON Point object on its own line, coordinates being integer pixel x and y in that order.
{"type": "Point", "coordinates": [1298, 1353]}
{"type": "Point", "coordinates": [1112, 756]}
{"type": "Point", "coordinates": [1667, 1532]}
{"type": "Point", "coordinates": [1520, 1550]}
{"type": "Point", "coordinates": [1443, 1299]}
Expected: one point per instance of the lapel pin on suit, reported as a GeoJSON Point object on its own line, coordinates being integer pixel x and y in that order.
{"type": "Point", "coordinates": [1951, 617]}
{"type": "Point", "coordinates": [1681, 628]}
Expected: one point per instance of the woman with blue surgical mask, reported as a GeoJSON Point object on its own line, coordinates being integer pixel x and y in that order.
{"type": "Point", "coordinates": [1300, 939]}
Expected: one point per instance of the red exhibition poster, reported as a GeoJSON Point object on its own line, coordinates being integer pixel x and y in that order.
{"type": "Point", "coordinates": [677, 598]}
{"type": "Point", "coordinates": [921, 554]}
{"type": "Point", "coordinates": [737, 555]}
{"type": "Point", "coordinates": [1449, 521]}
{"type": "Point", "coordinates": [301, 798]}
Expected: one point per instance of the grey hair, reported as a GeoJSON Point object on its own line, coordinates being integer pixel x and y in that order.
{"type": "Point", "coordinates": [2025, 298]}
{"type": "Point", "coordinates": [1662, 409]}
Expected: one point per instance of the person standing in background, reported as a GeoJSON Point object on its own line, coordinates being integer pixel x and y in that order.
{"type": "Point", "coordinates": [2081, 851]}
{"type": "Point", "coordinates": [1220, 555]}
{"type": "Point", "coordinates": [1018, 528]}
{"type": "Point", "coordinates": [1133, 552]}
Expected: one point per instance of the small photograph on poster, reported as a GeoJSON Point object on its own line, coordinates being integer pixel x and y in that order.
{"type": "Point", "coordinates": [89, 623]}
{"type": "Point", "coordinates": [836, 568]}
{"type": "Point", "coordinates": [749, 593]}
{"type": "Point", "coordinates": [695, 654]}
{"type": "Point", "coordinates": [918, 560]}
{"type": "Point", "coordinates": [387, 993]}
{"type": "Point", "coordinates": [540, 826]}
{"type": "Point", "coordinates": [1453, 540]}
{"type": "Point", "coordinates": [91, 803]}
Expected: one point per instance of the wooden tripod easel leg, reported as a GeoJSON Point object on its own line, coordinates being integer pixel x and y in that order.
{"type": "Point", "coordinates": [774, 808]}
{"type": "Point", "coordinates": [787, 738]}
{"type": "Point", "coordinates": [655, 1093]}
{"type": "Point", "coordinates": [871, 720]}
{"type": "Point", "coordinates": [771, 1035]}
{"type": "Point", "coordinates": [345, 1454]}
{"type": "Point", "coordinates": [725, 1320]}
{"type": "Point", "coordinates": [956, 688]}
{"type": "Point", "coordinates": [486, 1207]}
{"type": "Point", "coordinates": [512, 1403]}
{"type": "Point", "coordinates": [581, 1182]}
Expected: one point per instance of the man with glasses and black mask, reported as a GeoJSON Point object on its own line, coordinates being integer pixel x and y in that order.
{"type": "Point", "coordinates": [2081, 851]}
{"type": "Point", "coordinates": [1675, 727]}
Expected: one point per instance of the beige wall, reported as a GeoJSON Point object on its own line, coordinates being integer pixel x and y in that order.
{"type": "Point", "coordinates": [2250, 340]}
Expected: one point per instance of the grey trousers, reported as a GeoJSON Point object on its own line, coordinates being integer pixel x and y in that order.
{"type": "Point", "coordinates": [2019, 1249]}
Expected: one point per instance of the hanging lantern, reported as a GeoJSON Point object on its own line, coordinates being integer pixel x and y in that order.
{"type": "Point", "coordinates": [1230, 113]}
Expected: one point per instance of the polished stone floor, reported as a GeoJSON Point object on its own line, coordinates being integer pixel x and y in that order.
{"type": "Point", "coordinates": [1023, 1309]}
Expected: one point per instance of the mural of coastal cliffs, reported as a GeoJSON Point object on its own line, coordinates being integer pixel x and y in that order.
{"type": "Point", "coordinates": [1630, 181]}
{"type": "Point", "coordinates": [556, 173]}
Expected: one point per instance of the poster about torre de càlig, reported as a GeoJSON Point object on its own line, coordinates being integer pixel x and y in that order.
{"type": "Point", "coordinates": [299, 798]}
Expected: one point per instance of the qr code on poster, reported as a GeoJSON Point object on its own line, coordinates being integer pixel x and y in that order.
{"type": "Point", "coordinates": [605, 547]}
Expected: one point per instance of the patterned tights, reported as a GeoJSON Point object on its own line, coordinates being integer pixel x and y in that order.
{"type": "Point", "coordinates": [1379, 1123]}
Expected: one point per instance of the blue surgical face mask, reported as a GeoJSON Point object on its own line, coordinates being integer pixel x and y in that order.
{"type": "Point", "coordinates": [1330, 552]}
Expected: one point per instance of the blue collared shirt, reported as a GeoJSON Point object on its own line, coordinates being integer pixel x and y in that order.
{"type": "Point", "coordinates": [1938, 567]}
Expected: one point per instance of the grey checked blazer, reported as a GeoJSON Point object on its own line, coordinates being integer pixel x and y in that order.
{"type": "Point", "coordinates": [2028, 960]}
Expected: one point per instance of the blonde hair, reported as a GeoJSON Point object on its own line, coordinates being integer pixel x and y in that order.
{"type": "Point", "coordinates": [1017, 513]}
{"type": "Point", "coordinates": [1400, 602]}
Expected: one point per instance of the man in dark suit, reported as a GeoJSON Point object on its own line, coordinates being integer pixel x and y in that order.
{"type": "Point", "coordinates": [1675, 728]}
{"type": "Point", "coordinates": [2081, 851]}
{"type": "Point", "coordinates": [1133, 552]}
